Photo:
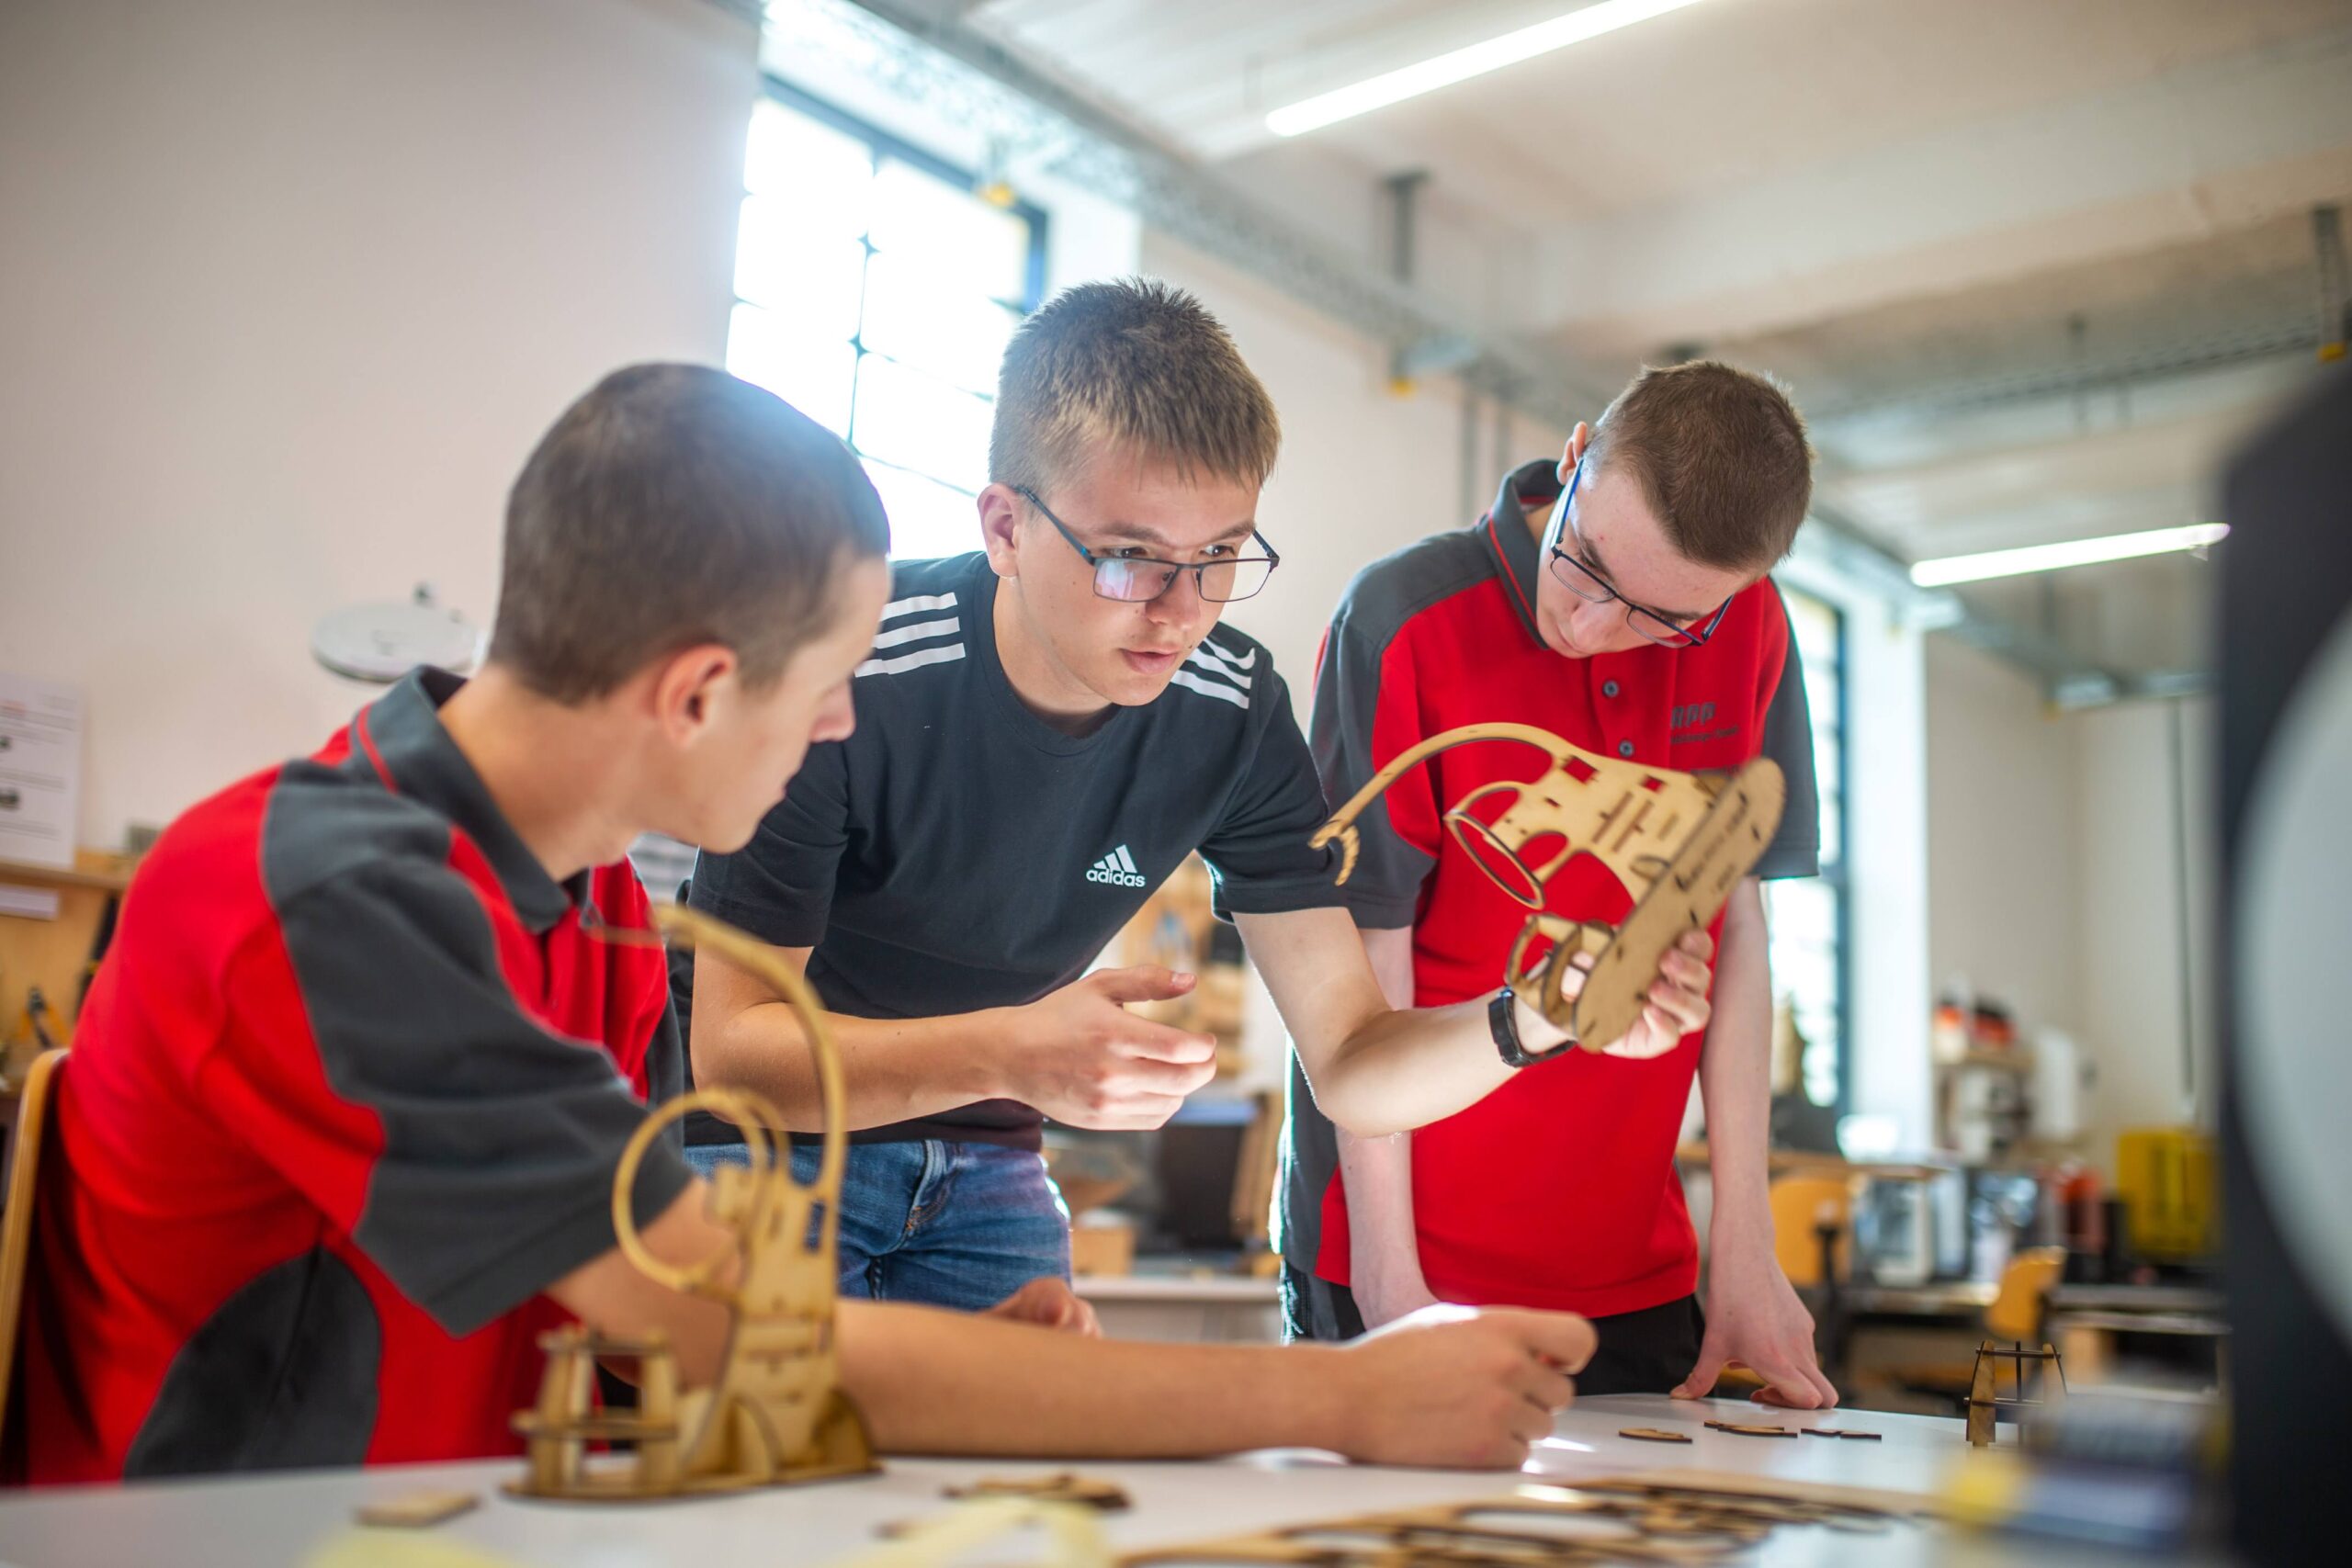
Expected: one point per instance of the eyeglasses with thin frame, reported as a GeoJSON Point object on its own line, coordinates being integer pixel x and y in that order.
{"type": "Point", "coordinates": [1589, 585]}
{"type": "Point", "coordinates": [1138, 579]}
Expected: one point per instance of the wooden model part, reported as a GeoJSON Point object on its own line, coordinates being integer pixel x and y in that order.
{"type": "Point", "coordinates": [1679, 842]}
{"type": "Point", "coordinates": [1694, 1518]}
{"type": "Point", "coordinates": [1652, 1434]}
{"type": "Point", "coordinates": [1073, 1531]}
{"type": "Point", "coordinates": [1737, 1430]}
{"type": "Point", "coordinates": [416, 1510]}
{"type": "Point", "coordinates": [776, 1413]}
{"type": "Point", "coordinates": [1065, 1486]}
{"type": "Point", "coordinates": [1985, 1401]}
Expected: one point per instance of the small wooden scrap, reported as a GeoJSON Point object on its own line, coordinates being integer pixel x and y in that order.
{"type": "Point", "coordinates": [1736, 1430]}
{"type": "Point", "coordinates": [417, 1510]}
{"type": "Point", "coordinates": [1063, 1487]}
{"type": "Point", "coordinates": [1652, 1434]}
{"type": "Point", "coordinates": [1842, 1432]}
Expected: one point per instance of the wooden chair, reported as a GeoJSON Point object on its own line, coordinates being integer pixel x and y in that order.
{"type": "Point", "coordinates": [1802, 1204]}
{"type": "Point", "coordinates": [17, 1219]}
{"type": "Point", "coordinates": [2014, 1316]}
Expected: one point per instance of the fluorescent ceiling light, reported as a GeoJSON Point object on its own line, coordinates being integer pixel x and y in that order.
{"type": "Point", "coordinates": [1461, 64]}
{"type": "Point", "coordinates": [1943, 573]}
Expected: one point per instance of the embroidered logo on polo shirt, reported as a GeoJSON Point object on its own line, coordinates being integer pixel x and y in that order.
{"type": "Point", "coordinates": [1692, 721]}
{"type": "Point", "coordinates": [1117, 869]}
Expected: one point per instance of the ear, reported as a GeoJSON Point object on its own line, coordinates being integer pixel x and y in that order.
{"type": "Point", "coordinates": [688, 686]}
{"type": "Point", "coordinates": [1000, 525]}
{"type": "Point", "coordinates": [1578, 439]}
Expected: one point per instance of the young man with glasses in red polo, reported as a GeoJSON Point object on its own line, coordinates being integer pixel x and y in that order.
{"type": "Point", "coordinates": [1046, 727]}
{"type": "Point", "coordinates": [1619, 598]}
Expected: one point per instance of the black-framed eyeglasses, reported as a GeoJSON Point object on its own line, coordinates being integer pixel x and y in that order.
{"type": "Point", "coordinates": [1667, 631]}
{"type": "Point", "coordinates": [1137, 580]}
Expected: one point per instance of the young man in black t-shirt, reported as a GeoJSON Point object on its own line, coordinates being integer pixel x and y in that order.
{"type": "Point", "coordinates": [1045, 729]}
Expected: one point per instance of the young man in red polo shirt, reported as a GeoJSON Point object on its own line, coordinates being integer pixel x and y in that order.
{"type": "Point", "coordinates": [1618, 599]}
{"type": "Point", "coordinates": [338, 1139]}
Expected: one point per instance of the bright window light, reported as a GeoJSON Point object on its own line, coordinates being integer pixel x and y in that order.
{"type": "Point", "coordinates": [1944, 573]}
{"type": "Point", "coordinates": [1461, 64]}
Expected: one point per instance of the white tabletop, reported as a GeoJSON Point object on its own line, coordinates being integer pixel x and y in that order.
{"type": "Point", "coordinates": [1216, 1289]}
{"type": "Point", "coordinates": [254, 1522]}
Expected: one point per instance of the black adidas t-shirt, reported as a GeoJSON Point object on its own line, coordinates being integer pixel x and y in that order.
{"type": "Point", "coordinates": [956, 852]}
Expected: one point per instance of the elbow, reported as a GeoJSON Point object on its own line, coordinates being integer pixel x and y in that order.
{"type": "Point", "coordinates": [1349, 1106]}
{"type": "Point", "coordinates": [705, 1054]}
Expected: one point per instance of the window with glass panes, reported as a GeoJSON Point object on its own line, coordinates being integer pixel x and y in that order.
{"type": "Point", "coordinates": [875, 292]}
{"type": "Point", "coordinates": [1808, 917]}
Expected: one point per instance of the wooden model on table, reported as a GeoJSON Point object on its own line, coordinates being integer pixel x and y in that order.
{"type": "Point", "coordinates": [1985, 1403]}
{"type": "Point", "coordinates": [1679, 842]}
{"type": "Point", "coordinates": [775, 1412]}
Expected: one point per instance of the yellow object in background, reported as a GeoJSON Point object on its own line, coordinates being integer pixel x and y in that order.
{"type": "Point", "coordinates": [2165, 1176]}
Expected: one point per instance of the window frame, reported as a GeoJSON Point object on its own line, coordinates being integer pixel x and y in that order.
{"type": "Point", "coordinates": [1836, 868]}
{"type": "Point", "coordinates": [884, 144]}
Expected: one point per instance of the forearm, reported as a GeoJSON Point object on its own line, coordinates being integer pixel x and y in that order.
{"type": "Point", "coordinates": [1375, 1071]}
{"type": "Point", "coordinates": [894, 1069]}
{"type": "Point", "coordinates": [1735, 1078]}
{"type": "Point", "coordinates": [940, 1383]}
{"type": "Point", "coordinates": [1383, 1244]}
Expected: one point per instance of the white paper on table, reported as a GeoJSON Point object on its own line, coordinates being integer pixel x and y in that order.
{"type": "Point", "coordinates": [41, 770]}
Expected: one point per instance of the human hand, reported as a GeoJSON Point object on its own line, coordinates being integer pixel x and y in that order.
{"type": "Point", "coordinates": [1754, 1318]}
{"type": "Point", "coordinates": [1677, 1004]}
{"type": "Point", "coordinates": [1080, 1057]}
{"type": "Point", "coordinates": [1050, 1303]}
{"type": "Point", "coordinates": [1459, 1387]}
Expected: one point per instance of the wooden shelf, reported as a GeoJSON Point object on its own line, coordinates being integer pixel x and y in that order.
{"type": "Point", "coordinates": [107, 874]}
{"type": "Point", "coordinates": [2013, 1060]}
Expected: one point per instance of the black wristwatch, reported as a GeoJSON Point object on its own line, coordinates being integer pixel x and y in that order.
{"type": "Point", "coordinates": [1503, 1023]}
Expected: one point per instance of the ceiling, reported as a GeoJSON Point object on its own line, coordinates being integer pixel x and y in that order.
{"type": "Point", "coordinates": [2031, 265]}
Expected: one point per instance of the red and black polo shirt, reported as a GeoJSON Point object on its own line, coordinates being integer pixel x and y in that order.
{"type": "Point", "coordinates": [348, 1093]}
{"type": "Point", "coordinates": [1558, 1189]}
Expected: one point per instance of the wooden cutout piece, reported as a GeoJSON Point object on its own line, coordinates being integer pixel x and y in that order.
{"type": "Point", "coordinates": [1067, 1486]}
{"type": "Point", "coordinates": [1652, 1434]}
{"type": "Point", "coordinates": [1736, 1430]}
{"type": "Point", "coordinates": [776, 1413]}
{"type": "Point", "coordinates": [1680, 1517]}
{"type": "Point", "coordinates": [416, 1510]}
{"type": "Point", "coordinates": [1679, 842]}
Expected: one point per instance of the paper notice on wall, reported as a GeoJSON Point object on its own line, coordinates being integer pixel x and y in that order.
{"type": "Point", "coordinates": [41, 770]}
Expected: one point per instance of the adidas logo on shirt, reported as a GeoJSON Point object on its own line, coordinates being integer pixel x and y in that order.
{"type": "Point", "coordinates": [1117, 869]}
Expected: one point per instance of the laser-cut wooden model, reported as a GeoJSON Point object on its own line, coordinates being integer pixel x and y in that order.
{"type": "Point", "coordinates": [1985, 1401]}
{"type": "Point", "coordinates": [776, 1413]}
{"type": "Point", "coordinates": [1636, 1518]}
{"type": "Point", "coordinates": [1679, 842]}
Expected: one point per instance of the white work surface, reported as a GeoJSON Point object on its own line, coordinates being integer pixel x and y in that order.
{"type": "Point", "coordinates": [255, 1523]}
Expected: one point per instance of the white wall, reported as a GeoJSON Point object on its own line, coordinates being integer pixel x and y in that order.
{"type": "Point", "coordinates": [2130, 931]}
{"type": "Point", "coordinates": [2004, 896]}
{"type": "Point", "coordinates": [288, 288]}
{"type": "Point", "coordinates": [2055, 854]}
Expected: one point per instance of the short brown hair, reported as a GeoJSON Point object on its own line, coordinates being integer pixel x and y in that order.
{"type": "Point", "coordinates": [1721, 456]}
{"type": "Point", "coordinates": [1137, 364]}
{"type": "Point", "coordinates": [675, 506]}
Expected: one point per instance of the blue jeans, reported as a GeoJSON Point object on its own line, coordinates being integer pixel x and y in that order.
{"type": "Point", "coordinates": [946, 1225]}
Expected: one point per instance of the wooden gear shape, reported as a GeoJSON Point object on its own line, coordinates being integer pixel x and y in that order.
{"type": "Point", "coordinates": [775, 1412]}
{"type": "Point", "coordinates": [1679, 842]}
